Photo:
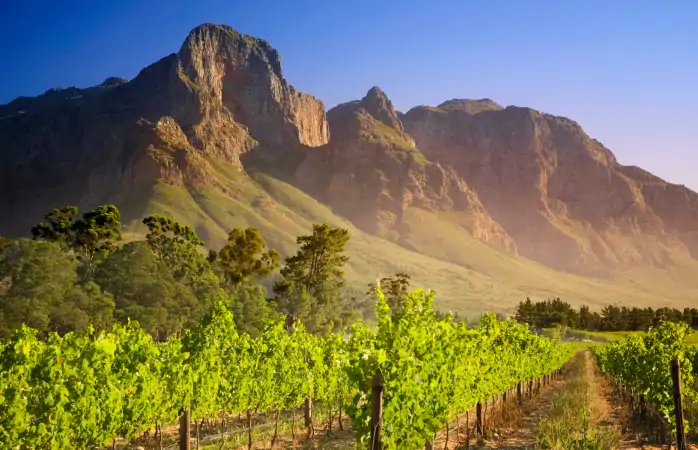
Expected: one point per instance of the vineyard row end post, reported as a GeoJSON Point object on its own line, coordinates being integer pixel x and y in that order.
{"type": "Point", "coordinates": [185, 430]}
{"type": "Point", "coordinates": [479, 429]}
{"type": "Point", "coordinates": [377, 386]}
{"type": "Point", "coordinates": [678, 407]}
{"type": "Point", "coordinates": [308, 415]}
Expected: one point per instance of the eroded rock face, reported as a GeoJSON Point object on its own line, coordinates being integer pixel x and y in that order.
{"type": "Point", "coordinates": [244, 74]}
{"type": "Point", "coordinates": [223, 94]}
{"type": "Point", "coordinates": [561, 195]}
{"type": "Point", "coordinates": [371, 172]}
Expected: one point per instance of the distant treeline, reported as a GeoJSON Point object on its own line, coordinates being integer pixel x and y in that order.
{"type": "Point", "coordinates": [548, 313]}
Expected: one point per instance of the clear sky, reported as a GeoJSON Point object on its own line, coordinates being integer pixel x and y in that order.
{"type": "Point", "coordinates": [627, 71]}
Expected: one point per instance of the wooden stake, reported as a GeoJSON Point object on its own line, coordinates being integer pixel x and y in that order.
{"type": "Point", "coordinates": [184, 430]}
{"type": "Point", "coordinates": [377, 386]}
{"type": "Point", "coordinates": [678, 407]}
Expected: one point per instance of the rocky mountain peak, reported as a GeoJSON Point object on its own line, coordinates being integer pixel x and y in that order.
{"type": "Point", "coordinates": [243, 73]}
{"type": "Point", "coordinates": [223, 94]}
{"type": "Point", "coordinates": [224, 44]}
{"type": "Point", "coordinates": [580, 207]}
{"type": "Point", "coordinates": [377, 104]}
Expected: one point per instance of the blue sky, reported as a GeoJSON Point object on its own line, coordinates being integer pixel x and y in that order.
{"type": "Point", "coordinates": [627, 71]}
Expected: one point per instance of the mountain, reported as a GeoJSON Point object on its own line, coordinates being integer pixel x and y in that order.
{"type": "Point", "coordinates": [561, 195]}
{"type": "Point", "coordinates": [372, 173]}
{"type": "Point", "coordinates": [113, 141]}
{"type": "Point", "coordinates": [485, 204]}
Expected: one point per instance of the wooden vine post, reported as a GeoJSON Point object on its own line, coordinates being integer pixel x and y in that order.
{"type": "Point", "coordinates": [478, 422]}
{"type": "Point", "coordinates": [308, 411]}
{"type": "Point", "coordinates": [518, 393]}
{"type": "Point", "coordinates": [678, 407]}
{"type": "Point", "coordinates": [377, 387]}
{"type": "Point", "coordinates": [185, 430]}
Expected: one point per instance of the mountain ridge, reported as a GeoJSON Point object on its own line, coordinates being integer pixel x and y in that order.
{"type": "Point", "coordinates": [192, 133]}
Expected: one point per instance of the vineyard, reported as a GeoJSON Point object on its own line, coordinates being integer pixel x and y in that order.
{"type": "Point", "coordinates": [87, 390]}
{"type": "Point", "coordinates": [641, 368]}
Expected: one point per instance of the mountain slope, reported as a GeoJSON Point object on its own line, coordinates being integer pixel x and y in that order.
{"type": "Point", "coordinates": [561, 195]}
{"type": "Point", "coordinates": [471, 278]}
{"type": "Point", "coordinates": [463, 197]}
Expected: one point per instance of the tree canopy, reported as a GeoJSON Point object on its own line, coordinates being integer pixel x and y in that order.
{"type": "Point", "coordinates": [244, 259]}
{"type": "Point", "coordinates": [96, 233]}
{"type": "Point", "coordinates": [76, 273]}
{"type": "Point", "coordinates": [548, 313]}
{"type": "Point", "coordinates": [395, 289]}
{"type": "Point", "coordinates": [313, 278]}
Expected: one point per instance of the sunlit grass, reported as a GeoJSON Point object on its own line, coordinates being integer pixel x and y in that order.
{"type": "Point", "coordinates": [572, 422]}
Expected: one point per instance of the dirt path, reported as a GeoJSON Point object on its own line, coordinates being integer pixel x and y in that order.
{"type": "Point", "coordinates": [518, 433]}
{"type": "Point", "coordinates": [574, 412]}
{"type": "Point", "coordinates": [608, 414]}
{"type": "Point", "coordinates": [611, 415]}
{"type": "Point", "coordinates": [614, 415]}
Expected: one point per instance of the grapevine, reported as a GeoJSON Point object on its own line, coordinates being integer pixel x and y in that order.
{"type": "Point", "coordinates": [85, 390]}
{"type": "Point", "coordinates": [641, 363]}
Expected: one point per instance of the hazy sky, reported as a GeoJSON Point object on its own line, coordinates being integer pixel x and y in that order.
{"type": "Point", "coordinates": [627, 71]}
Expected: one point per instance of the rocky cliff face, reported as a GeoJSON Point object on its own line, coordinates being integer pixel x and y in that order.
{"type": "Point", "coordinates": [244, 74]}
{"type": "Point", "coordinates": [371, 172]}
{"type": "Point", "coordinates": [223, 94]}
{"type": "Point", "coordinates": [561, 195]}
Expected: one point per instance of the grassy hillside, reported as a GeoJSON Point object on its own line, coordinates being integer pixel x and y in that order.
{"type": "Point", "coordinates": [443, 235]}
{"type": "Point", "coordinates": [469, 276]}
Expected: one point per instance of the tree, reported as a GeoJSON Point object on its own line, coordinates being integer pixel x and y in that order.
{"type": "Point", "coordinates": [586, 318]}
{"type": "Point", "coordinates": [318, 264]}
{"type": "Point", "coordinates": [525, 312]}
{"type": "Point", "coordinates": [395, 288]}
{"type": "Point", "coordinates": [315, 275]}
{"type": "Point", "coordinates": [94, 234]}
{"type": "Point", "coordinates": [243, 258]}
{"type": "Point", "coordinates": [57, 226]}
{"type": "Point", "coordinates": [97, 231]}
{"type": "Point", "coordinates": [547, 313]}
{"type": "Point", "coordinates": [145, 289]}
{"type": "Point", "coordinates": [4, 280]}
{"type": "Point", "coordinates": [251, 310]}
{"type": "Point", "coordinates": [358, 304]}
{"type": "Point", "coordinates": [179, 247]}
{"type": "Point", "coordinates": [83, 307]}
{"type": "Point", "coordinates": [612, 318]}
{"type": "Point", "coordinates": [162, 231]}
{"type": "Point", "coordinates": [35, 277]}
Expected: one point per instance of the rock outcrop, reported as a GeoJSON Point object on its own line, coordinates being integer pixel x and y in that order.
{"type": "Point", "coordinates": [222, 95]}
{"type": "Point", "coordinates": [561, 195]}
{"type": "Point", "coordinates": [371, 172]}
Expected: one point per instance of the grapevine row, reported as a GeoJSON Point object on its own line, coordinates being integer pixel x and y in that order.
{"type": "Point", "coordinates": [642, 365]}
{"type": "Point", "coordinates": [84, 390]}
